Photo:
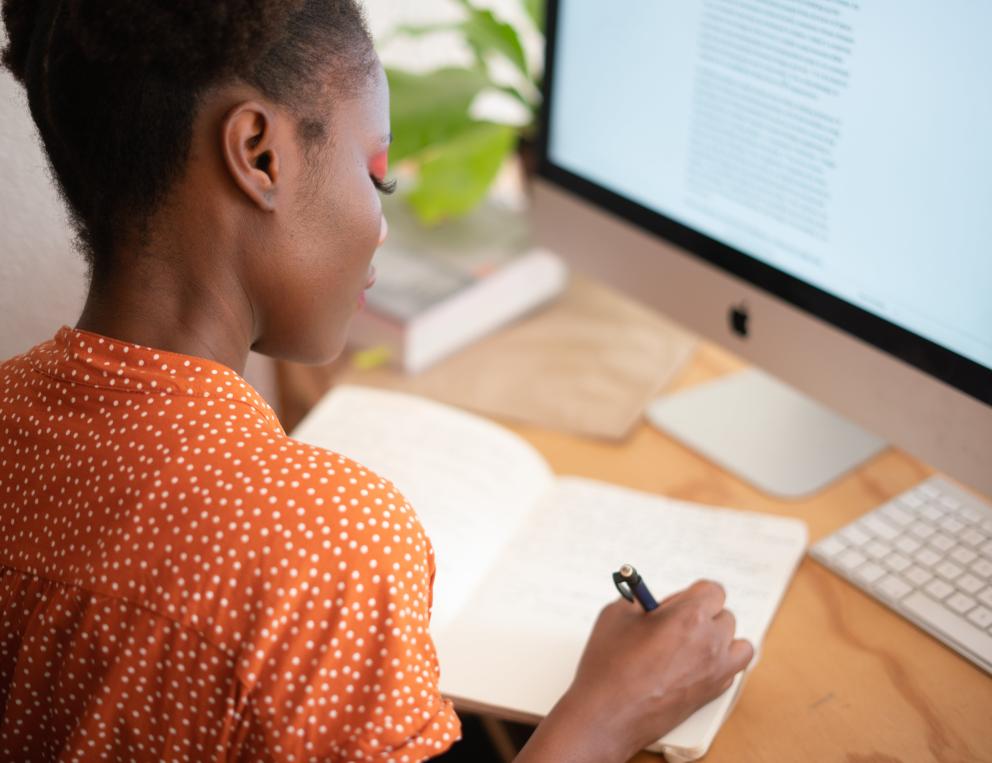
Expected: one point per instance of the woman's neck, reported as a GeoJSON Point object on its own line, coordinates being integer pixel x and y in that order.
{"type": "Point", "coordinates": [149, 303]}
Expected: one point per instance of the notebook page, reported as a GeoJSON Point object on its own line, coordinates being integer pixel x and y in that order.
{"type": "Point", "coordinates": [471, 482]}
{"type": "Point", "coordinates": [532, 614]}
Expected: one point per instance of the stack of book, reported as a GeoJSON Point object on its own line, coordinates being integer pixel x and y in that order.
{"type": "Point", "coordinates": [438, 289]}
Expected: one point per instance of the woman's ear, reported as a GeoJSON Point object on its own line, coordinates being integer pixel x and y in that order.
{"type": "Point", "coordinates": [251, 153]}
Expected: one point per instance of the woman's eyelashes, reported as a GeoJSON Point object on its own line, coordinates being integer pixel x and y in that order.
{"type": "Point", "coordinates": [383, 186]}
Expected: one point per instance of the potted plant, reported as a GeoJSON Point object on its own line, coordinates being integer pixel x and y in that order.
{"type": "Point", "coordinates": [448, 156]}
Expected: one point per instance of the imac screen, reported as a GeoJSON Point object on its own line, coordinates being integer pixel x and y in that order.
{"type": "Point", "coordinates": [847, 144]}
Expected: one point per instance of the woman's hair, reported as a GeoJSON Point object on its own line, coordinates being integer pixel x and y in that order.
{"type": "Point", "coordinates": [114, 85]}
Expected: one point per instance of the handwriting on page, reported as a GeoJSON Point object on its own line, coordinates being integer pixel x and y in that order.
{"type": "Point", "coordinates": [557, 568]}
{"type": "Point", "coordinates": [470, 482]}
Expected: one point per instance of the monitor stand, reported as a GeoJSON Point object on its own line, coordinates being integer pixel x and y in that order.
{"type": "Point", "coordinates": [764, 432]}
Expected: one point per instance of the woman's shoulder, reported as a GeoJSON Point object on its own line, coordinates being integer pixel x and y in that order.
{"type": "Point", "coordinates": [320, 483]}
{"type": "Point", "coordinates": [283, 525]}
{"type": "Point", "coordinates": [275, 479]}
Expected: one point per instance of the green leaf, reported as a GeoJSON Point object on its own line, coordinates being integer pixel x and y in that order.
{"type": "Point", "coordinates": [415, 30]}
{"type": "Point", "coordinates": [422, 30]}
{"type": "Point", "coordinates": [516, 95]}
{"type": "Point", "coordinates": [485, 33]}
{"type": "Point", "coordinates": [454, 179]}
{"type": "Point", "coordinates": [535, 9]}
{"type": "Point", "coordinates": [427, 109]}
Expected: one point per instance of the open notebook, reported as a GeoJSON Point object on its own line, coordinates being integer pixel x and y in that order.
{"type": "Point", "coordinates": [524, 558]}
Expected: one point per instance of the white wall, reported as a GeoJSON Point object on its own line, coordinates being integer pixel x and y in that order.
{"type": "Point", "coordinates": [41, 279]}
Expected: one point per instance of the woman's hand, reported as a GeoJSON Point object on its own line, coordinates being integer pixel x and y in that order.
{"type": "Point", "coordinates": [642, 674]}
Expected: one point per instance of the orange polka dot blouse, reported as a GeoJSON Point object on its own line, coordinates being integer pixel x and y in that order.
{"type": "Point", "coordinates": [181, 581]}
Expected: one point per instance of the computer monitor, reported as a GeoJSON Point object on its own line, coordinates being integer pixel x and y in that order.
{"type": "Point", "coordinates": [808, 183]}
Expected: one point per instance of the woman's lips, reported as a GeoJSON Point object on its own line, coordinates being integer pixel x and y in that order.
{"type": "Point", "coordinates": [368, 285]}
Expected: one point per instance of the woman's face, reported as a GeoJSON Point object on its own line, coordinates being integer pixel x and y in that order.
{"type": "Point", "coordinates": [308, 289]}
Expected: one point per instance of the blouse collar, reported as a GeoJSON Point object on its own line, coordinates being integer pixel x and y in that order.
{"type": "Point", "coordinates": [83, 357]}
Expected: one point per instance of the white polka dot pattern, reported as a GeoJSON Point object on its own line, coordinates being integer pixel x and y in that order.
{"type": "Point", "coordinates": [181, 581]}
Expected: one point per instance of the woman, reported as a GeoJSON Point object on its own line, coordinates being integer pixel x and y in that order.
{"type": "Point", "coordinates": [180, 580]}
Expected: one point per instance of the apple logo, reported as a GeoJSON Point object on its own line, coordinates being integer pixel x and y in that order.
{"type": "Point", "coordinates": [738, 319]}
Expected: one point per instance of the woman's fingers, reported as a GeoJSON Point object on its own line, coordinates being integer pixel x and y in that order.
{"type": "Point", "coordinates": [740, 654]}
{"type": "Point", "coordinates": [726, 624]}
{"type": "Point", "coordinates": [709, 592]}
{"type": "Point", "coordinates": [711, 596]}
{"type": "Point", "coordinates": [739, 651]}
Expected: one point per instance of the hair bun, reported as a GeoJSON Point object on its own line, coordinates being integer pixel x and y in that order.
{"type": "Point", "coordinates": [177, 36]}
{"type": "Point", "coordinates": [171, 37]}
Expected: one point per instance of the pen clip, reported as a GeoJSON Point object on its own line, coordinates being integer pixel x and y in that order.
{"type": "Point", "coordinates": [625, 579]}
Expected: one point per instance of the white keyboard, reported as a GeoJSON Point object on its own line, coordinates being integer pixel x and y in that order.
{"type": "Point", "coordinates": [927, 554]}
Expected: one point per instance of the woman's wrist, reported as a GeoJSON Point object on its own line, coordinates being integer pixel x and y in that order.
{"type": "Point", "coordinates": [577, 731]}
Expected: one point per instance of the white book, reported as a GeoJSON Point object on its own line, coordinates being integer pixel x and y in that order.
{"type": "Point", "coordinates": [437, 290]}
{"type": "Point", "coordinates": [524, 558]}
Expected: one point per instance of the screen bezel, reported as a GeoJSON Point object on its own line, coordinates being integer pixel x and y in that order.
{"type": "Point", "coordinates": [946, 365]}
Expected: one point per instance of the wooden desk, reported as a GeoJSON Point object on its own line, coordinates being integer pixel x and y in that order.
{"type": "Point", "coordinates": [841, 677]}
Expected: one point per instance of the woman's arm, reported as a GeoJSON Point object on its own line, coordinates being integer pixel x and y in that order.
{"type": "Point", "coordinates": [641, 675]}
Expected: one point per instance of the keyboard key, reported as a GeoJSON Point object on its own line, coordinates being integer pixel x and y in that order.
{"type": "Point", "coordinates": [907, 545]}
{"type": "Point", "coordinates": [918, 575]}
{"type": "Point", "coordinates": [981, 617]}
{"type": "Point", "coordinates": [879, 527]}
{"type": "Point", "coordinates": [950, 502]}
{"type": "Point", "coordinates": [953, 626]}
{"type": "Point", "coordinates": [942, 543]}
{"type": "Point", "coordinates": [897, 561]}
{"type": "Point", "coordinates": [851, 559]}
{"type": "Point", "coordinates": [939, 589]}
{"type": "Point", "coordinates": [870, 572]}
{"type": "Point", "coordinates": [963, 555]}
{"type": "Point", "coordinates": [830, 546]}
{"type": "Point", "coordinates": [972, 537]}
{"type": "Point", "coordinates": [895, 514]}
{"type": "Point", "coordinates": [960, 603]}
{"type": "Point", "coordinates": [948, 570]}
{"type": "Point", "coordinates": [854, 535]}
{"type": "Point", "coordinates": [970, 514]}
{"type": "Point", "coordinates": [922, 530]}
{"type": "Point", "coordinates": [986, 596]}
{"type": "Point", "coordinates": [982, 568]}
{"type": "Point", "coordinates": [912, 500]}
{"type": "Point", "coordinates": [927, 557]}
{"type": "Point", "coordinates": [986, 550]}
{"type": "Point", "coordinates": [932, 512]}
{"type": "Point", "coordinates": [969, 583]}
{"type": "Point", "coordinates": [951, 525]}
{"type": "Point", "coordinates": [876, 549]}
{"type": "Point", "coordinates": [987, 526]}
{"type": "Point", "coordinates": [893, 587]}
{"type": "Point", "coordinates": [928, 490]}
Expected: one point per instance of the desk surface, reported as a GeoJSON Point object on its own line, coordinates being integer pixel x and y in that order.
{"type": "Point", "coordinates": [841, 677]}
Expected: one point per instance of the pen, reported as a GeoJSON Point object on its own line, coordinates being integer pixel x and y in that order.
{"type": "Point", "coordinates": [632, 586]}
